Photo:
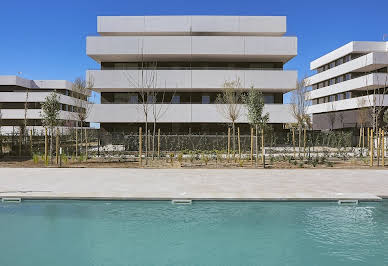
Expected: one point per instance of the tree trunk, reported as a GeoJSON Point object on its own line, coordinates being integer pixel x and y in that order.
{"type": "Point", "coordinates": [293, 141]}
{"type": "Point", "coordinates": [239, 143]}
{"type": "Point", "coordinates": [51, 144]}
{"type": "Point", "coordinates": [153, 140]}
{"type": "Point", "coordinates": [140, 146]}
{"type": "Point", "coordinates": [257, 146]}
{"type": "Point", "coordinates": [159, 143]}
{"type": "Point", "coordinates": [146, 141]}
{"type": "Point", "coordinates": [45, 146]}
{"type": "Point", "coordinates": [251, 145]}
{"type": "Point", "coordinates": [86, 144]}
{"type": "Point", "coordinates": [371, 147]}
{"type": "Point", "coordinates": [57, 147]}
{"type": "Point", "coordinates": [228, 144]}
{"type": "Point", "coordinates": [234, 137]}
{"type": "Point", "coordinates": [299, 140]}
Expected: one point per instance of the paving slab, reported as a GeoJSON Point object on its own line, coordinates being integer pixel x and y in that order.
{"type": "Point", "coordinates": [197, 184]}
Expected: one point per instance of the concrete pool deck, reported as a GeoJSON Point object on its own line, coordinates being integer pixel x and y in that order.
{"type": "Point", "coordinates": [205, 184]}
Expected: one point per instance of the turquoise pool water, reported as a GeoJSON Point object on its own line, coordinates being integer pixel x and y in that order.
{"type": "Point", "coordinates": [86, 233]}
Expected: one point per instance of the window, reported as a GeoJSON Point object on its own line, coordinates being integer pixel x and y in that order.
{"type": "Point", "coordinates": [151, 99]}
{"type": "Point", "coordinates": [120, 97]}
{"type": "Point", "coordinates": [332, 98]}
{"type": "Point", "coordinates": [332, 64]}
{"type": "Point", "coordinates": [348, 95]}
{"type": "Point", "coordinates": [340, 79]}
{"type": "Point", "coordinates": [347, 58]}
{"type": "Point", "coordinates": [269, 99]}
{"type": "Point", "coordinates": [348, 76]}
{"type": "Point", "coordinates": [332, 81]}
{"type": "Point", "coordinates": [339, 61]}
{"type": "Point", "coordinates": [321, 100]}
{"type": "Point", "coordinates": [340, 96]}
{"type": "Point", "coordinates": [176, 99]}
{"type": "Point", "coordinates": [133, 99]}
{"type": "Point", "coordinates": [205, 99]}
{"type": "Point", "coordinates": [315, 86]}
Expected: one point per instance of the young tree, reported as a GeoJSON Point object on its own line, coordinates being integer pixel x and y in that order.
{"type": "Point", "coordinates": [51, 108]}
{"type": "Point", "coordinates": [81, 89]}
{"type": "Point", "coordinates": [299, 105]}
{"type": "Point", "coordinates": [254, 101]}
{"type": "Point", "coordinates": [229, 104]}
{"type": "Point", "coordinates": [159, 107]}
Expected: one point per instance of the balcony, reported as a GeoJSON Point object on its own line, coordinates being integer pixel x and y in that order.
{"type": "Point", "coordinates": [366, 63]}
{"type": "Point", "coordinates": [186, 25]}
{"type": "Point", "coordinates": [188, 80]}
{"type": "Point", "coordinates": [349, 104]}
{"type": "Point", "coordinates": [367, 82]}
{"type": "Point", "coordinates": [181, 113]}
{"type": "Point", "coordinates": [180, 48]}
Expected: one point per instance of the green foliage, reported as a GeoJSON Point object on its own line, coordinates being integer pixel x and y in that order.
{"type": "Point", "coordinates": [180, 157]}
{"type": "Point", "coordinates": [50, 110]}
{"type": "Point", "coordinates": [254, 101]}
{"type": "Point", "coordinates": [64, 158]}
{"type": "Point", "coordinates": [35, 158]}
{"type": "Point", "coordinates": [205, 158]}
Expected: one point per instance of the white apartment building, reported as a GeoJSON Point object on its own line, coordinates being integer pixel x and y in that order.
{"type": "Point", "coordinates": [188, 58]}
{"type": "Point", "coordinates": [349, 79]}
{"type": "Point", "coordinates": [13, 96]}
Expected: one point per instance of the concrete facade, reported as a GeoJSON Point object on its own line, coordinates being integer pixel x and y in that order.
{"type": "Point", "coordinates": [13, 97]}
{"type": "Point", "coordinates": [188, 56]}
{"type": "Point", "coordinates": [349, 79]}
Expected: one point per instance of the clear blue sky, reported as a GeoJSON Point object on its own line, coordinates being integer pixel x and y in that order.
{"type": "Point", "coordinates": [46, 39]}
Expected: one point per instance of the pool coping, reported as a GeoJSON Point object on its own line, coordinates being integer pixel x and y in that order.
{"type": "Point", "coordinates": [370, 198]}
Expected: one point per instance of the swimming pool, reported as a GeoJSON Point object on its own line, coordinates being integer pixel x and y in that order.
{"type": "Point", "coordinates": [204, 233]}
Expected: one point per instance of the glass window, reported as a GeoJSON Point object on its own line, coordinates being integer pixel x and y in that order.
{"type": "Point", "coordinates": [332, 98]}
{"type": "Point", "coordinates": [269, 99]}
{"type": "Point", "coordinates": [340, 96]}
{"type": "Point", "coordinates": [320, 69]}
{"type": "Point", "coordinates": [332, 81]}
{"type": "Point", "coordinates": [133, 99]}
{"type": "Point", "coordinates": [151, 99]}
{"type": "Point", "coordinates": [332, 64]}
{"type": "Point", "coordinates": [339, 61]}
{"type": "Point", "coordinates": [205, 99]}
{"type": "Point", "coordinates": [176, 99]}
{"type": "Point", "coordinates": [120, 97]}
{"type": "Point", "coordinates": [315, 86]}
{"type": "Point", "coordinates": [348, 76]}
{"type": "Point", "coordinates": [348, 95]}
{"type": "Point", "coordinates": [340, 79]}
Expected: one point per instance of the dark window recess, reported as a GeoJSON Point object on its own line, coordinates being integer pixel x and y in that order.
{"type": "Point", "coordinates": [190, 65]}
{"type": "Point", "coordinates": [175, 97]}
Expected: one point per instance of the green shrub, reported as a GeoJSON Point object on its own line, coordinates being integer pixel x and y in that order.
{"type": "Point", "coordinates": [180, 157]}
{"type": "Point", "coordinates": [35, 158]}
